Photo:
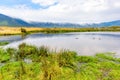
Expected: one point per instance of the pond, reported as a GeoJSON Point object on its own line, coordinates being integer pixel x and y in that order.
{"type": "Point", "coordinates": [84, 43]}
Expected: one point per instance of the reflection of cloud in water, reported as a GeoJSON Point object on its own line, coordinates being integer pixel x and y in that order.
{"type": "Point", "coordinates": [84, 44]}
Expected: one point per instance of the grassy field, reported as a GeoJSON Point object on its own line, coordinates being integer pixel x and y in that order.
{"type": "Point", "coordinates": [17, 30]}
{"type": "Point", "coordinates": [32, 63]}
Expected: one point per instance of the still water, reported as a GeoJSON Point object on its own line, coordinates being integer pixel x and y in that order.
{"type": "Point", "coordinates": [84, 43]}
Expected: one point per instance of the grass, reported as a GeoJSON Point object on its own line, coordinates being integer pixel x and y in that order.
{"type": "Point", "coordinates": [3, 43]}
{"type": "Point", "coordinates": [17, 30]}
{"type": "Point", "coordinates": [32, 63]}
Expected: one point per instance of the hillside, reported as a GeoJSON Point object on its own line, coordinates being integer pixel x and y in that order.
{"type": "Point", "coordinates": [10, 21]}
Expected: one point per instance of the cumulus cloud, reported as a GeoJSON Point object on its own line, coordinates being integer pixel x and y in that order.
{"type": "Point", "coordinates": [73, 11]}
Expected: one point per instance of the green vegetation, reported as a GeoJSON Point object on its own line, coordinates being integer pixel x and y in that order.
{"type": "Point", "coordinates": [23, 33]}
{"type": "Point", "coordinates": [31, 63]}
{"type": "Point", "coordinates": [3, 43]}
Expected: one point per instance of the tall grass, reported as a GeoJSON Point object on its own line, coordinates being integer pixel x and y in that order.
{"type": "Point", "coordinates": [4, 43]}
{"type": "Point", "coordinates": [28, 30]}
{"type": "Point", "coordinates": [32, 63]}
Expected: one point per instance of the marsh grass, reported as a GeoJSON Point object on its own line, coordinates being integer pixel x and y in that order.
{"type": "Point", "coordinates": [44, 64]}
{"type": "Point", "coordinates": [3, 43]}
{"type": "Point", "coordinates": [5, 30]}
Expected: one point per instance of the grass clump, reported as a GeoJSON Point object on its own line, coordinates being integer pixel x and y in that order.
{"type": "Point", "coordinates": [32, 63]}
{"type": "Point", "coordinates": [3, 43]}
{"type": "Point", "coordinates": [4, 56]}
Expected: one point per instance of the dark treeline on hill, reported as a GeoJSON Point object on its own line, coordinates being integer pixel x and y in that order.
{"type": "Point", "coordinates": [15, 22]}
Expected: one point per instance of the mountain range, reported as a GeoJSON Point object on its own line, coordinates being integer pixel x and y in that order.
{"type": "Point", "coordinates": [15, 22]}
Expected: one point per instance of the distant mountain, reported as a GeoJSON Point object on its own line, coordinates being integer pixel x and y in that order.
{"type": "Point", "coordinates": [48, 24]}
{"type": "Point", "coordinates": [112, 23]}
{"type": "Point", "coordinates": [9, 21]}
{"type": "Point", "coordinates": [105, 24]}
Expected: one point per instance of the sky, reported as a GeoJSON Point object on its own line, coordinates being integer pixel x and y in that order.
{"type": "Point", "coordinates": [62, 11]}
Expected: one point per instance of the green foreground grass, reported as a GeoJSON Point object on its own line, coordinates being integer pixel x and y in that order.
{"type": "Point", "coordinates": [32, 63]}
{"type": "Point", "coordinates": [4, 43]}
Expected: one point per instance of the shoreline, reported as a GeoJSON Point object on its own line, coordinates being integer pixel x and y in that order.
{"type": "Point", "coordinates": [6, 30]}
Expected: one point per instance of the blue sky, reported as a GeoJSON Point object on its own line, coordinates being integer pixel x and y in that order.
{"type": "Point", "coordinates": [13, 3]}
{"type": "Point", "coordinates": [74, 11]}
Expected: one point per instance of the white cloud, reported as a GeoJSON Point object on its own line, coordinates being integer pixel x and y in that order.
{"type": "Point", "coordinates": [117, 5]}
{"type": "Point", "coordinates": [95, 5]}
{"type": "Point", "coordinates": [23, 6]}
{"type": "Point", "coordinates": [44, 2]}
{"type": "Point", "coordinates": [74, 11]}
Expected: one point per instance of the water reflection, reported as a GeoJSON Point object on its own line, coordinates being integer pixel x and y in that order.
{"type": "Point", "coordinates": [10, 38]}
{"type": "Point", "coordinates": [84, 43]}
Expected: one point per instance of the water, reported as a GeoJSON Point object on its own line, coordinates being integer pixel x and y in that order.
{"type": "Point", "coordinates": [84, 43]}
